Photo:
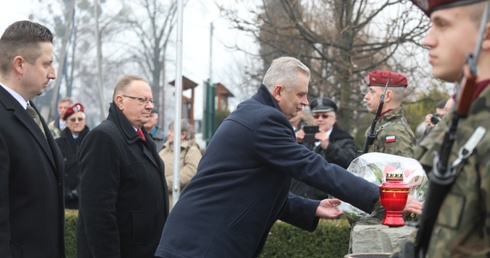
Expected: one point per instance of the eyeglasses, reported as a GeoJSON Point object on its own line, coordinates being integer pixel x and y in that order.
{"type": "Point", "coordinates": [141, 101]}
{"type": "Point", "coordinates": [74, 119]}
{"type": "Point", "coordinates": [324, 116]}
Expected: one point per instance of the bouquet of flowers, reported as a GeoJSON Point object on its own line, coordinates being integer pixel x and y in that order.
{"type": "Point", "coordinates": [374, 166]}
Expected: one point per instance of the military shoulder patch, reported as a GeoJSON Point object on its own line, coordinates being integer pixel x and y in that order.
{"type": "Point", "coordinates": [391, 138]}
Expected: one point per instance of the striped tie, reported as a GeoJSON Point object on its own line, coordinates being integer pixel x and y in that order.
{"type": "Point", "coordinates": [36, 118]}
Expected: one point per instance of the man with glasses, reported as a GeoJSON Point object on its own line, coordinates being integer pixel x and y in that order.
{"type": "Point", "coordinates": [393, 134]}
{"type": "Point", "coordinates": [123, 194]}
{"type": "Point", "coordinates": [69, 140]}
{"type": "Point", "coordinates": [333, 144]}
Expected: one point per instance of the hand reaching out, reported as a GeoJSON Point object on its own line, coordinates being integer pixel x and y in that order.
{"type": "Point", "coordinates": [413, 206]}
{"type": "Point", "coordinates": [328, 209]}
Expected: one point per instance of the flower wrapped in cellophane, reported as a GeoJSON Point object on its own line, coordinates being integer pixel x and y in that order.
{"type": "Point", "coordinates": [374, 166]}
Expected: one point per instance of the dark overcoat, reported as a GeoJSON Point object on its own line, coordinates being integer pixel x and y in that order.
{"type": "Point", "coordinates": [341, 150]}
{"type": "Point", "coordinates": [123, 194]}
{"type": "Point", "coordinates": [69, 147]}
{"type": "Point", "coordinates": [31, 189]}
{"type": "Point", "coordinates": [242, 186]}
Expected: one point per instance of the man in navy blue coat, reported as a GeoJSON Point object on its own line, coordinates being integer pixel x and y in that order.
{"type": "Point", "coordinates": [242, 184]}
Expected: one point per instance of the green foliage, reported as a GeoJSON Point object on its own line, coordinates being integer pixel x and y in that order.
{"type": "Point", "coordinates": [71, 217]}
{"type": "Point", "coordinates": [330, 239]}
{"type": "Point", "coordinates": [221, 114]}
{"type": "Point", "coordinates": [415, 112]}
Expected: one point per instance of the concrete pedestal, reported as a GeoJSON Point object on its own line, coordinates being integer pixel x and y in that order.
{"type": "Point", "coordinates": [373, 237]}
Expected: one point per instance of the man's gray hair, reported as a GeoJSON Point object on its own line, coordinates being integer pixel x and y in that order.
{"type": "Point", "coordinates": [284, 71]}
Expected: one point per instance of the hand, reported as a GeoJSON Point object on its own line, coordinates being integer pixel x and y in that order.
{"type": "Point", "coordinates": [300, 135]}
{"type": "Point", "coordinates": [323, 138]}
{"type": "Point", "coordinates": [328, 209]}
{"type": "Point", "coordinates": [428, 122]}
{"type": "Point", "coordinates": [413, 206]}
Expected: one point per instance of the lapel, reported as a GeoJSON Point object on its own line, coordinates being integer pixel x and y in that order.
{"type": "Point", "coordinates": [26, 120]}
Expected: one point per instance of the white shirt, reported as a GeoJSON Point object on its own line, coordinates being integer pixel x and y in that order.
{"type": "Point", "coordinates": [16, 96]}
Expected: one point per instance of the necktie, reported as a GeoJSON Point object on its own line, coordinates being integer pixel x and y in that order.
{"type": "Point", "coordinates": [140, 132]}
{"type": "Point", "coordinates": [36, 118]}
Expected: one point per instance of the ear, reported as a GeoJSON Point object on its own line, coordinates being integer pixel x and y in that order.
{"type": "Point", "coordinates": [388, 96]}
{"type": "Point", "coordinates": [486, 40]}
{"type": "Point", "coordinates": [119, 101]}
{"type": "Point", "coordinates": [277, 91]}
{"type": "Point", "coordinates": [18, 64]}
{"type": "Point", "coordinates": [183, 135]}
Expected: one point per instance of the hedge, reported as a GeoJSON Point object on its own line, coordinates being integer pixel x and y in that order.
{"type": "Point", "coordinates": [330, 239]}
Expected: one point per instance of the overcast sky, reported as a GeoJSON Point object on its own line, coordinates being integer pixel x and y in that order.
{"type": "Point", "coordinates": [198, 15]}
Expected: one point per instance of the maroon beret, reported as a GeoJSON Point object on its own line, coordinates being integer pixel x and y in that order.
{"type": "Point", "coordinates": [380, 78]}
{"type": "Point", "coordinates": [72, 110]}
{"type": "Point", "coordinates": [428, 6]}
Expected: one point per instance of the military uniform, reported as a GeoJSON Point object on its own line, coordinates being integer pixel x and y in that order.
{"type": "Point", "coordinates": [394, 135]}
{"type": "Point", "coordinates": [462, 226]}
{"type": "Point", "coordinates": [53, 128]}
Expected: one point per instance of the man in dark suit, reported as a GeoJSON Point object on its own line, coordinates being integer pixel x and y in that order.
{"type": "Point", "coordinates": [31, 164]}
{"type": "Point", "coordinates": [242, 183]}
{"type": "Point", "coordinates": [123, 197]}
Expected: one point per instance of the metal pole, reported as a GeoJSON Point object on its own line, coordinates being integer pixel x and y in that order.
{"type": "Point", "coordinates": [178, 103]}
{"type": "Point", "coordinates": [99, 61]}
{"type": "Point", "coordinates": [59, 77]}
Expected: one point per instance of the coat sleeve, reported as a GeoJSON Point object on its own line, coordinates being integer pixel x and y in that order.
{"type": "Point", "coordinates": [341, 152]}
{"type": "Point", "coordinates": [301, 212]}
{"type": "Point", "coordinates": [276, 146]}
{"type": "Point", "coordinates": [99, 183]}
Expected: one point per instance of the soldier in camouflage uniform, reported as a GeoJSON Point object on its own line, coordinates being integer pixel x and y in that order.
{"type": "Point", "coordinates": [58, 125]}
{"type": "Point", "coordinates": [462, 227]}
{"type": "Point", "coordinates": [394, 135]}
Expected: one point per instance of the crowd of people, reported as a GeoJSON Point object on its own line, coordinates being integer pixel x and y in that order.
{"type": "Point", "coordinates": [255, 170]}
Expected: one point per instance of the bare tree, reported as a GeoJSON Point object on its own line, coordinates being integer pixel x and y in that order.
{"type": "Point", "coordinates": [78, 73]}
{"type": "Point", "coordinates": [153, 29]}
{"type": "Point", "coordinates": [340, 40]}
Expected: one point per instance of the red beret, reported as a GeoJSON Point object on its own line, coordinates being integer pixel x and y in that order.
{"type": "Point", "coordinates": [428, 6]}
{"type": "Point", "coordinates": [73, 109]}
{"type": "Point", "coordinates": [380, 78]}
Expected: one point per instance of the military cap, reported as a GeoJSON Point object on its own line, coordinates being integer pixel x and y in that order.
{"type": "Point", "coordinates": [380, 78]}
{"type": "Point", "coordinates": [322, 105]}
{"type": "Point", "coordinates": [428, 6]}
{"type": "Point", "coordinates": [72, 110]}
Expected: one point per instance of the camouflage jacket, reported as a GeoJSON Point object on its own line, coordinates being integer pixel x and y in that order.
{"type": "Point", "coordinates": [462, 228]}
{"type": "Point", "coordinates": [393, 135]}
{"type": "Point", "coordinates": [53, 128]}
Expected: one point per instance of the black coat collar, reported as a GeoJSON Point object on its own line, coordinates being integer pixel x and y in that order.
{"type": "Point", "coordinates": [116, 115]}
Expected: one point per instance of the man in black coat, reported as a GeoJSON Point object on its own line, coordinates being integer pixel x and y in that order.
{"type": "Point", "coordinates": [242, 183]}
{"type": "Point", "coordinates": [31, 164]}
{"type": "Point", "coordinates": [123, 194]}
{"type": "Point", "coordinates": [332, 143]}
{"type": "Point", "coordinates": [69, 141]}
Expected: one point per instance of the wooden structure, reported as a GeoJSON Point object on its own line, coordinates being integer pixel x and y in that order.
{"type": "Point", "coordinates": [187, 103]}
{"type": "Point", "coordinates": [222, 93]}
